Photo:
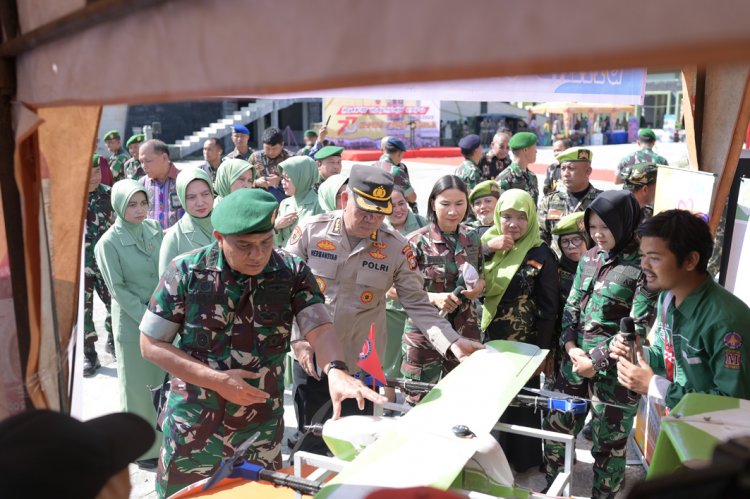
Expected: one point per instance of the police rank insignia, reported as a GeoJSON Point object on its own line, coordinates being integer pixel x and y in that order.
{"type": "Point", "coordinates": [379, 245]}
{"type": "Point", "coordinates": [377, 255]}
{"type": "Point", "coordinates": [326, 245]}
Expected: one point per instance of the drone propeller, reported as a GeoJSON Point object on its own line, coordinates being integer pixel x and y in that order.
{"type": "Point", "coordinates": [227, 465]}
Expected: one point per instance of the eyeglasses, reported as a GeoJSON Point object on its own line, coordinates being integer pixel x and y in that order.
{"type": "Point", "coordinates": [571, 242]}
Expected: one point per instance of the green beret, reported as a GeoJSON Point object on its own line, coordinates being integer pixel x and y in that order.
{"type": "Point", "coordinates": [570, 224]}
{"type": "Point", "coordinates": [575, 154]}
{"type": "Point", "coordinates": [482, 189]}
{"type": "Point", "coordinates": [245, 211]}
{"type": "Point", "coordinates": [310, 132]}
{"type": "Point", "coordinates": [112, 134]}
{"type": "Point", "coordinates": [522, 140]}
{"type": "Point", "coordinates": [646, 133]}
{"type": "Point", "coordinates": [135, 139]}
{"type": "Point", "coordinates": [328, 151]}
{"type": "Point", "coordinates": [639, 175]}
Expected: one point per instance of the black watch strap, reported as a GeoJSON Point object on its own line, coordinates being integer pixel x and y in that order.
{"type": "Point", "coordinates": [337, 364]}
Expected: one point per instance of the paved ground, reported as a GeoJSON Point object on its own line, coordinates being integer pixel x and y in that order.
{"type": "Point", "coordinates": [99, 394]}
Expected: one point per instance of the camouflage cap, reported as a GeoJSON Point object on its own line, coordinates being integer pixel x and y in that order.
{"type": "Point", "coordinates": [112, 134]}
{"type": "Point", "coordinates": [245, 211]}
{"type": "Point", "coordinates": [135, 139]}
{"type": "Point", "coordinates": [522, 140]}
{"type": "Point", "coordinates": [327, 152]}
{"type": "Point", "coordinates": [570, 224]}
{"type": "Point", "coordinates": [646, 133]}
{"type": "Point", "coordinates": [482, 189]}
{"type": "Point", "coordinates": [575, 154]}
{"type": "Point", "coordinates": [639, 174]}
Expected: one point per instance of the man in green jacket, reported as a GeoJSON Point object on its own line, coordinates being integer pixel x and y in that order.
{"type": "Point", "coordinates": [701, 330]}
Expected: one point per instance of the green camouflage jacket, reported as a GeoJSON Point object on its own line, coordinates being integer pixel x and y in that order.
{"type": "Point", "coordinates": [470, 173]}
{"type": "Point", "coordinates": [117, 165]}
{"type": "Point", "coordinates": [513, 178]}
{"type": "Point", "coordinates": [555, 206]}
{"type": "Point", "coordinates": [98, 219]}
{"type": "Point", "coordinates": [400, 173]}
{"type": "Point", "coordinates": [439, 257]}
{"type": "Point", "coordinates": [605, 290]}
{"type": "Point", "coordinates": [228, 320]}
{"type": "Point", "coordinates": [645, 155]}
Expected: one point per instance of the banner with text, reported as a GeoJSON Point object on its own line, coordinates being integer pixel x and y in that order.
{"type": "Point", "coordinates": [361, 123]}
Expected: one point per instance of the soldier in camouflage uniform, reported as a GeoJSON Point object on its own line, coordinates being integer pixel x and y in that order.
{"type": "Point", "coordinates": [552, 178]}
{"type": "Point", "coordinates": [440, 250]}
{"type": "Point", "coordinates": [483, 199]}
{"type": "Point", "coordinates": [117, 156]}
{"type": "Point", "coordinates": [577, 195]}
{"type": "Point", "coordinates": [518, 175]}
{"type": "Point", "coordinates": [391, 162]}
{"type": "Point", "coordinates": [240, 139]}
{"type": "Point", "coordinates": [232, 305]}
{"type": "Point", "coordinates": [133, 168]}
{"type": "Point", "coordinates": [607, 287]}
{"type": "Point", "coordinates": [640, 179]}
{"type": "Point", "coordinates": [646, 141]}
{"type": "Point", "coordinates": [497, 158]}
{"type": "Point", "coordinates": [266, 163]}
{"type": "Point", "coordinates": [470, 171]}
{"type": "Point", "coordinates": [98, 220]}
{"type": "Point", "coordinates": [520, 304]}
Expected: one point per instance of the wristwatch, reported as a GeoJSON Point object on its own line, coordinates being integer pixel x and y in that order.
{"type": "Point", "coordinates": [337, 364]}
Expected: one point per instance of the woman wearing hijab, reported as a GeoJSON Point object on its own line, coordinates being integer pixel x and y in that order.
{"type": "Point", "coordinates": [520, 304]}
{"type": "Point", "coordinates": [405, 222]}
{"type": "Point", "coordinates": [232, 174]}
{"type": "Point", "coordinates": [606, 288]}
{"type": "Point", "coordinates": [299, 173]}
{"type": "Point", "coordinates": [128, 257]}
{"type": "Point", "coordinates": [194, 229]}
{"type": "Point", "coordinates": [329, 192]}
{"type": "Point", "coordinates": [441, 250]}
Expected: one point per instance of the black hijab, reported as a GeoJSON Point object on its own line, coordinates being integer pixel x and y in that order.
{"type": "Point", "coordinates": [620, 211]}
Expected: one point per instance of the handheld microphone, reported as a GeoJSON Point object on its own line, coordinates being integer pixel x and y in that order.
{"type": "Point", "coordinates": [457, 293]}
{"type": "Point", "coordinates": [627, 330]}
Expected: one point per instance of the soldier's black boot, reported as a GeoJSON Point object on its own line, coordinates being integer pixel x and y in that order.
{"type": "Point", "coordinates": [110, 346]}
{"type": "Point", "coordinates": [90, 361]}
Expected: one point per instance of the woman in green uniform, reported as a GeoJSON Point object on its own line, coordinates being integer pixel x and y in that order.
{"type": "Point", "coordinates": [194, 229]}
{"type": "Point", "coordinates": [128, 257]}
{"type": "Point", "coordinates": [299, 173]}
{"type": "Point", "coordinates": [329, 192]}
{"type": "Point", "coordinates": [232, 174]}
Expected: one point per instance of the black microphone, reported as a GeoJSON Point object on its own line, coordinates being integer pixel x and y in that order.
{"type": "Point", "coordinates": [457, 293]}
{"type": "Point", "coordinates": [627, 330]}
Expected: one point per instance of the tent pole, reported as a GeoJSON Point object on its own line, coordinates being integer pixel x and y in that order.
{"type": "Point", "coordinates": [12, 216]}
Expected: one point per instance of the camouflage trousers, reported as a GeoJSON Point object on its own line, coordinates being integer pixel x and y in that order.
{"type": "Point", "coordinates": [611, 426]}
{"type": "Point", "coordinates": [422, 362]}
{"type": "Point", "coordinates": [201, 431]}
{"type": "Point", "coordinates": [93, 281]}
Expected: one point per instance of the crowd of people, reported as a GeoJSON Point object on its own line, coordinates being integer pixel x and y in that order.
{"type": "Point", "coordinates": [212, 274]}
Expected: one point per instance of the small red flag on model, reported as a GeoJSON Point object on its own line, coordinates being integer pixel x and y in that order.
{"type": "Point", "coordinates": [368, 358]}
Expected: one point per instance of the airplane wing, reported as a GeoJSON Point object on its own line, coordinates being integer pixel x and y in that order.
{"type": "Point", "coordinates": [694, 427]}
{"type": "Point", "coordinates": [431, 446]}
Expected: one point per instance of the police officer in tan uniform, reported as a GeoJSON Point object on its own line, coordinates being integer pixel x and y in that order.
{"type": "Point", "coordinates": [356, 258]}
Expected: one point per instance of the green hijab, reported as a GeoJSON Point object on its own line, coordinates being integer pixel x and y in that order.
{"type": "Point", "coordinates": [229, 171]}
{"type": "Point", "coordinates": [303, 172]}
{"type": "Point", "coordinates": [183, 180]}
{"type": "Point", "coordinates": [122, 191]}
{"type": "Point", "coordinates": [328, 190]}
{"type": "Point", "coordinates": [500, 269]}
